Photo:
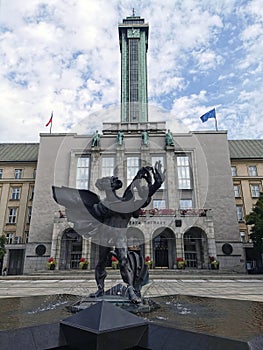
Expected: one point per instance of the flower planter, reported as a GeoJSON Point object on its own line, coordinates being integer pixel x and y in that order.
{"type": "Point", "coordinates": [215, 265]}
{"type": "Point", "coordinates": [83, 264]}
{"type": "Point", "coordinates": [51, 263]}
{"type": "Point", "coordinates": [181, 265]}
{"type": "Point", "coordinates": [149, 264]}
{"type": "Point", "coordinates": [114, 265]}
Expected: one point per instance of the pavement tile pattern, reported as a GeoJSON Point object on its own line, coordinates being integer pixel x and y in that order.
{"type": "Point", "coordinates": [242, 287]}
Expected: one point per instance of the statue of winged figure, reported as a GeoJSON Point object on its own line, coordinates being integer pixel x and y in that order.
{"type": "Point", "coordinates": [108, 218]}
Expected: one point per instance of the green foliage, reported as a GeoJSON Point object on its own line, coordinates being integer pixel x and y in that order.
{"type": "Point", "coordinates": [255, 218]}
{"type": "Point", "coordinates": [3, 242]}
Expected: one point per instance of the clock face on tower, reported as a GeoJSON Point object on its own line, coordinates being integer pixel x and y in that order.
{"type": "Point", "coordinates": [133, 33]}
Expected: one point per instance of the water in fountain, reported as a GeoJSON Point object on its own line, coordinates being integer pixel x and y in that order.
{"type": "Point", "coordinates": [223, 317]}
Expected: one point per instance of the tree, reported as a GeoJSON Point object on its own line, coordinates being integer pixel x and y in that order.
{"type": "Point", "coordinates": [255, 218]}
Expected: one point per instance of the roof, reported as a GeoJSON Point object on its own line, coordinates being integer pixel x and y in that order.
{"type": "Point", "coordinates": [19, 152]}
{"type": "Point", "coordinates": [246, 149]}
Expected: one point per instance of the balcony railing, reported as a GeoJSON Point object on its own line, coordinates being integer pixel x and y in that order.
{"type": "Point", "coordinates": [174, 212]}
{"type": "Point", "coordinates": [164, 212]}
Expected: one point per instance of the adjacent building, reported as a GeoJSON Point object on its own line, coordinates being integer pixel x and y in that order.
{"type": "Point", "coordinates": [247, 173]}
{"type": "Point", "coordinates": [18, 162]}
{"type": "Point", "coordinates": [191, 217]}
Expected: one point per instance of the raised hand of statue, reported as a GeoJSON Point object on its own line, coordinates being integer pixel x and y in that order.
{"type": "Point", "coordinates": [158, 174]}
{"type": "Point", "coordinates": [144, 173]}
{"type": "Point", "coordinates": [159, 177]}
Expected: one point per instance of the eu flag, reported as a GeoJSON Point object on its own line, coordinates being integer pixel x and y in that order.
{"type": "Point", "coordinates": [210, 114]}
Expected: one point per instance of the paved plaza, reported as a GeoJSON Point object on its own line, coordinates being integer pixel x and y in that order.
{"type": "Point", "coordinates": [242, 286]}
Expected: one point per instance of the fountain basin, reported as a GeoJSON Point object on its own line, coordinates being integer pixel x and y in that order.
{"type": "Point", "coordinates": [180, 321]}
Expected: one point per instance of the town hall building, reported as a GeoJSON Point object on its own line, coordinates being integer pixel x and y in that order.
{"type": "Point", "coordinates": [191, 217]}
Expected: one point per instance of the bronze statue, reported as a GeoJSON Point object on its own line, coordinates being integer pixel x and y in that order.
{"type": "Point", "coordinates": [145, 138]}
{"type": "Point", "coordinates": [95, 142]}
{"type": "Point", "coordinates": [120, 137]}
{"type": "Point", "coordinates": [108, 219]}
{"type": "Point", "coordinates": [169, 139]}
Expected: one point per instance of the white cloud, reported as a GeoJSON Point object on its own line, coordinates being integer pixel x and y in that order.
{"type": "Point", "coordinates": [64, 56]}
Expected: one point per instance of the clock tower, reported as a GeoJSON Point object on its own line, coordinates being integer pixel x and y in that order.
{"type": "Point", "coordinates": [133, 38]}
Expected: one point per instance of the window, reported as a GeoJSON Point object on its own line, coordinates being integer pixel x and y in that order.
{"type": "Point", "coordinates": [156, 159]}
{"type": "Point", "coordinates": [15, 195]}
{"type": "Point", "coordinates": [255, 191]}
{"type": "Point", "coordinates": [26, 236]}
{"type": "Point", "coordinates": [183, 171]}
{"type": "Point", "coordinates": [32, 192]}
{"type": "Point", "coordinates": [1, 173]}
{"type": "Point", "coordinates": [18, 173]}
{"type": "Point", "coordinates": [186, 203]}
{"type": "Point", "coordinates": [17, 240]}
{"type": "Point", "coordinates": [9, 237]}
{"type": "Point", "coordinates": [134, 78]}
{"type": "Point", "coordinates": [29, 215]}
{"type": "Point", "coordinates": [82, 178]}
{"type": "Point", "coordinates": [237, 191]}
{"type": "Point", "coordinates": [242, 236]}
{"type": "Point", "coordinates": [234, 170]}
{"type": "Point", "coordinates": [107, 166]}
{"type": "Point", "coordinates": [159, 204]}
{"type": "Point", "coordinates": [133, 164]}
{"type": "Point", "coordinates": [12, 215]}
{"type": "Point", "coordinates": [252, 170]}
{"type": "Point", "coordinates": [239, 213]}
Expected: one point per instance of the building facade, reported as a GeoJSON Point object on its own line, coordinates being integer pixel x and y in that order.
{"type": "Point", "coordinates": [247, 172]}
{"type": "Point", "coordinates": [191, 217]}
{"type": "Point", "coordinates": [18, 164]}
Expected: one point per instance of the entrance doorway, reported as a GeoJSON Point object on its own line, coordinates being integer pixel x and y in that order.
{"type": "Point", "coordinates": [71, 250]}
{"type": "Point", "coordinates": [164, 248]}
{"type": "Point", "coordinates": [16, 258]}
{"type": "Point", "coordinates": [196, 248]}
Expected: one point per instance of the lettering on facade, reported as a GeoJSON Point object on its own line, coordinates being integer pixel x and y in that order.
{"type": "Point", "coordinates": [152, 222]}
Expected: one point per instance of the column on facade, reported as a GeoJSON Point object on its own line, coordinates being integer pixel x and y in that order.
{"type": "Point", "coordinates": [211, 238]}
{"type": "Point", "coordinates": [172, 200]}
{"type": "Point", "coordinates": [148, 247]}
{"type": "Point", "coordinates": [95, 168]}
{"type": "Point", "coordinates": [119, 165]}
{"type": "Point", "coordinates": [88, 247]}
{"type": "Point", "coordinates": [179, 238]}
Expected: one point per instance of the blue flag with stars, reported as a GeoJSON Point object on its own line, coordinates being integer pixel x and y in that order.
{"type": "Point", "coordinates": [210, 114]}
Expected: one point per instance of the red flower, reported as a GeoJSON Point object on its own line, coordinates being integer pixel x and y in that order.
{"type": "Point", "coordinates": [147, 258]}
{"type": "Point", "coordinates": [82, 260]}
{"type": "Point", "coordinates": [179, 259]}
{"type": "Point", "coordinates": [113, 258]}
{"type": "Point", "coordinates": [50, 260]}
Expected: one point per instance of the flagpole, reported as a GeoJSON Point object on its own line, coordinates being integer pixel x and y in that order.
{"type": "Point", "coordinates": [216, 124]}
{"type": "Point", "coordinates": [51, 123]}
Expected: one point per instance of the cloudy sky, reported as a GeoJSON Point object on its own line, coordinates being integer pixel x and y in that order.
{"type": "Point", "coordinates": [63, 56]}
